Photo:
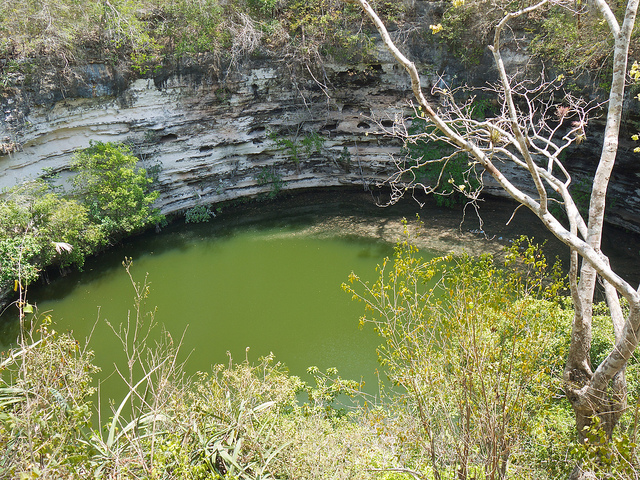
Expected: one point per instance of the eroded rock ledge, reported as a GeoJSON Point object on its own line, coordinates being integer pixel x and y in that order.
{"type": "Point", "coordinates": [209, 138]}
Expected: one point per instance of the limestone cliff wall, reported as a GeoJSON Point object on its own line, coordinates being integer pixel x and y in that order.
{"type": "Point", "coordinates": [209, 140]}
{"type": "Point", "coordinates": [207, 136]}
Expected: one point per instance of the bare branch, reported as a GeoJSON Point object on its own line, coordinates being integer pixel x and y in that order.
{"type": "Point", "coordinates": [532, 131]}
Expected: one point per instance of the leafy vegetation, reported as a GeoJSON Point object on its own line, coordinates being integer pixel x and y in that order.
{"type": "Point", "coordinates": [39, 228]}
{"type": "Point", "coordinates": [240, 420]}
{"type": "Point", "coordinates": [115, 190]}
{"type": "Point", "coordinates": [467, 345]}
{"type": "Point", "coordinates": [299, 147]}
{"type": "Point", "coordinates": [150, 34]}
{"type": "Point", "coordinates": [442, 169]}
{"type": "Point", "coordinates": [42, 227]}
{"type": "Point", "coordinates": [147, 34]}
{"type": "Point", "coordinates": [575, 42]}
{"type": "Point", "coordinates": [269, 176]}
{"type": "Point", "coordinates": [464, 29]}
{"type": "Point", "coordinates": [198, 214]}
{"type": "Point", "coordinates": [570, 37]}
{"type": "Point", "coordinates": [472, 350]}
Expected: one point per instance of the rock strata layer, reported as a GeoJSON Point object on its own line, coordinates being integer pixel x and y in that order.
{"type": "Point", "coordinates": [208, 138]}
{"type": "Point", "coordinates": [208, 141]}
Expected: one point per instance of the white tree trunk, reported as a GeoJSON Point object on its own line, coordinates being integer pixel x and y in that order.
{"type": "Point", "coordinates": [587, 390]}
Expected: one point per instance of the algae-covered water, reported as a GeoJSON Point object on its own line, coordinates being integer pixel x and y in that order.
{"type": "Point", "coordinates": [241, 292]}
{"type": "Point", "coordinates": [266, 277]}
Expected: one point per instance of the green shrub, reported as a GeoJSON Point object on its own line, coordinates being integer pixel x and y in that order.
{"type": "Point", "coordinates": [194, 26]}
{"type": "Point", "coordinates": [198, 214]}
{"type": "Point", "coordinates": [17, 261]}
{"type": "Point", "coordinates": [574, 42]}
{"type": "Point", "coordinates": [268, 176]}
{"type": "Point", "coordinates": [463, 35]}
{"type": "Point", "coordinates": [41, 228]}
{"type": "Point", "coordinates": [45, 407]}
{"type": "Point", "coordinates": [299, 147]}
{"type": "Point", "coordinates": [147, 34]}
{"type": "Point", "coordinates": [115, 190]}
{"type": "Point", "coordinates": [466, 343]}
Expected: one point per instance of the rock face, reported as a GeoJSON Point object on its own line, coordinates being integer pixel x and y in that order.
{"type": "Point", "coordinates": [209, 140]}
{"type": "Point", "coordinates": [209, 137]}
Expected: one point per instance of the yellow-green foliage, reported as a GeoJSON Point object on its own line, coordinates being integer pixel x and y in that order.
{"type": "Point", "coordinates": [40, 226]}
{"type": "Point", "coordinates": [45, 390]}
{"type": "Point", "coordinates": [34, 223]}
{"type": "Point", "coordinates": [115, 190]}
{"type": "Point", "coordinates": [574, 42]}
{"type": "Point", "coordinates": [473, 349]}
{"type": "Point", "coordinates": [146, 32]}
{"type": "Point", "coordinates": [468, 343]}
{"type": "Point", "coordinates": [243, 421]}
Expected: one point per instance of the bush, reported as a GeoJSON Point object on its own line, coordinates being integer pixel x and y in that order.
{"type": "Point", "coordinates": [115, 190]}
{"type": "Point", "coordinates": [574, 42]}
{"type": "Point", "coordinates": [198, 214]}
{"type": "Point", "coordinates": [45, 408]}
{"type": "Point", "coordinates": [39, 228]}
{"type": "Point", "coordinates": [269, 176]}
{"type": "Point", "coordinates": [466, 342]}
{"type": "Point", "coordinates": [242, 421]}
{"type": "Point", "coordinates": [239, 420]}
{"type": "Point", "coordinates": [148, 34]}
{"type": "Point", "coordinates": [17, 261]}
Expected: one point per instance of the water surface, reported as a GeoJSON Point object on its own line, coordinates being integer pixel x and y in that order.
{"type": "Point", "coordinates": [271, 288]}
{"type": "Point", "coordinates": [267, 277]}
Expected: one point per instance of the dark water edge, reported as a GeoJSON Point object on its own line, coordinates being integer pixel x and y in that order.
{"type": "Point", "coordinates": [445, 229]}
{"type": "Point", "coordinates": [358, 213]}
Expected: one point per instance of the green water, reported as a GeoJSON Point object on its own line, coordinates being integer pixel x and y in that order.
{"type": "Point", "coordinates": [269, 289]}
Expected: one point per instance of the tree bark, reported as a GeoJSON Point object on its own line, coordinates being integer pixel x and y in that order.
{"type": "Point", "coordinates": [602, 392]}
{"type": "Point", "coordinates": [586, 400]}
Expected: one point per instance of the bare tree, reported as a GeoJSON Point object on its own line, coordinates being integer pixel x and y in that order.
{"type": "Point", "coordinates": [525, 139]}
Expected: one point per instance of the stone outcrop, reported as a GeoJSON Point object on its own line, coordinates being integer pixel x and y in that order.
{"type": "Point", "coordinates": [208, 140]}
{"type": "Point", "coordinates": [210, 137]}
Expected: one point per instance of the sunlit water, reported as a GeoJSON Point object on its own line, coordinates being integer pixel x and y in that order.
{"type": "Point", "coordinates": [271, 289]}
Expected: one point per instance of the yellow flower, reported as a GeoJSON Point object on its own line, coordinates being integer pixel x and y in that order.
{"type": "Point", "coordinates": [435, 28]}
{"type": "Point", "coordinates": [635, 71]}
{"type": "Point", "coordinates": [458, 3]}
{"type": "Point", "coordinates": [635, 137]}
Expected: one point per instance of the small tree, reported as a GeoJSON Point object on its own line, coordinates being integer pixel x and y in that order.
{"type": "Point", "coordinates": [115, 190]}
{"type": "Point", "coordinates": [468, 342]}
{"type": "Point", "coordinates": [527, 138]}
